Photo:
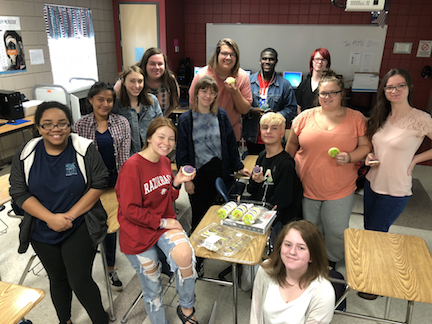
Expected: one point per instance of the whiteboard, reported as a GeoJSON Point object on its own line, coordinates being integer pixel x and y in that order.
{"type": "Point", "coordinates": [353, 48]}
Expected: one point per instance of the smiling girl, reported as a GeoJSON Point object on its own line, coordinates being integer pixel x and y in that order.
{"type": "Point", "coordinates": [329, 183]}
{"type": "Point", "coordinates": [146, 189]}
{"type": "Point", "coordinates": [293, 283]}
{"type": "Point", "coordinates": [110, 134]}
{"type": "Point", "coordinates": [139, 107]}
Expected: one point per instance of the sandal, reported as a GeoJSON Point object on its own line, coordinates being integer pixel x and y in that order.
{"type": "Point", "coordinates": [186, 319]}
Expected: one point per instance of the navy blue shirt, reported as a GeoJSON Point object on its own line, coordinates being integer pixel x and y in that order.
{"type": "Point", "coordinates": [105, 144]}
{"type": "Point", "coordinates": [57, 182]}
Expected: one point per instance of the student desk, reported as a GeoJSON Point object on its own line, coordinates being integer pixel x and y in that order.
{"type": "Point", "coordinates": [9, 129]}
{"type": "Point", "coordinates": [391, 265]}
{"type": "Point", "coordinates": [249, 163]}
{"type": "Point", "coordinates": [250, 254]}
{"type": "Point", "coordinates": [16, 301]}
{"type": "Point", "coordinates": [4, 189]}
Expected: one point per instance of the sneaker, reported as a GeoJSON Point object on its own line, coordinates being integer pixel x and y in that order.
{"type": "Point", "coordinates": [116, 284]}
{"type": "Point", "coordinates": [367, 296]}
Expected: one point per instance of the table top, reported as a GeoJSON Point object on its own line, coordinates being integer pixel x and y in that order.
{"type": "Point", "coordinates": [179, 110]}
{"type": "Point", "coordinates": [4, 189]}
{"type": "Point", "coordinates": [250, 254]}
{"type": "Point", "coordinates": [249, 163]}
{"type": "Point", "coordinates": [16, 301]}
{"type": "Point", "coordinates": [110, 204]}
{"type": "Point", "coordinates": [386, 264]}
{"type": "Point", "coordinates": [6, 129]}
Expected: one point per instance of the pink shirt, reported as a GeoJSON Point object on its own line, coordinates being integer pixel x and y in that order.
{"type": "Point", "coordinates": [224, 98]}
{"type": "Point", "coordinates": [321, 176]}
{"type": "Point", "coordinates": [394, 146]}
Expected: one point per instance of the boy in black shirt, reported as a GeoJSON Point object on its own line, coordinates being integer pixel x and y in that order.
{"type": "Point", "coordinates": [278, 183]}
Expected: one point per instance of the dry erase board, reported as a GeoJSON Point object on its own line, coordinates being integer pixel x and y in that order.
{"type": "Point", "coordinates": [353, 48]}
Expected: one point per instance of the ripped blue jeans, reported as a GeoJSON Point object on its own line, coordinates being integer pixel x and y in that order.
{"type": "Point", "coordinates": [151, 283]}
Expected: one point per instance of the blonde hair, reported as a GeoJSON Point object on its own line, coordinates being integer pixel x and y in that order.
{"type": "Point", "coordinates": [274, 119]}
{"type": "Point", "coordinates": [204, 83]}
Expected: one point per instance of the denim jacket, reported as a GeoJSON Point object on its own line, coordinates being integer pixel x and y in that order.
{"type": "Point", "coordinates": [280, 98]}
{"type": "Point", "coordinates": [139, 124]}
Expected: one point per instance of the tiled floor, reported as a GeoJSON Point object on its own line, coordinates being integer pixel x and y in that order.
{"type": "Point", "coordinates": [12, 265]}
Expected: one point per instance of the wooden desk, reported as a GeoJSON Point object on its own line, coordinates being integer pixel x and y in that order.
{"type": "Point", "coordinates": [249, 163]}
{"type": "Point", "coordinates": [250, 254]}
{"type": "Point", "coordinates": [4, 189]}
{"type": "Point", "coordinates": [391, 265]}
{"type": "Point", "coordinates": [110, 204]}
{"type": "Point", "coordinates": [9, 129]}
{"type": "Point", "coordinates": [16, 301]}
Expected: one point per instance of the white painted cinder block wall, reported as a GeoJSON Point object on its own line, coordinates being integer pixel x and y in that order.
{"type": "Point", "coordinates": [34, 37]}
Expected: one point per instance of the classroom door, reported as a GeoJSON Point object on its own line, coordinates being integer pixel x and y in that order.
{"type": "Point", "coordinates": [138, 30]}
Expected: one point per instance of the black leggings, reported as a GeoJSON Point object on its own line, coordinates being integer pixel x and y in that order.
{"type": "Point", "coordinates": [205, 190]}
{"type": "Point", "coordinates": [69, 266]}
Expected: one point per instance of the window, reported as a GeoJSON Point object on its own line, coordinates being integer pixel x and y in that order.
{"type": "Point", "coordinates": [71, 43]}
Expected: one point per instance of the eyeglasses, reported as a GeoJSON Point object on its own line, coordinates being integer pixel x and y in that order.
{"type": "Point", "coordinates": [208, 92]}
{"type": "Point", "coordinates": [331, 94]}
{"type": "Point", "coordinates": [318, 60]}
{"type": "Point", "coordinates": [399, 87]}
{"type": "Point", "coordinates": [226, 54]}
{"type": "Point", "coordinates": [49, 127]}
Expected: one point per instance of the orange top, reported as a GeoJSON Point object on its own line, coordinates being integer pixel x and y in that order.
{"type": "Point", "coordinates": [321, 176]}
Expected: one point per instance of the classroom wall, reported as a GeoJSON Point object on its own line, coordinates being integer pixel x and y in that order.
{"type": "Point", "coordinates": [34, 37]}
{"type": "Point", "coordinates": [408, 21]}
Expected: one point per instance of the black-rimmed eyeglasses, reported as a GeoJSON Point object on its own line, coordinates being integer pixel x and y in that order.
{"type": "Point", "coordinates": [331, 94]}
{"type": "Point", "coordinates": [50, 126]}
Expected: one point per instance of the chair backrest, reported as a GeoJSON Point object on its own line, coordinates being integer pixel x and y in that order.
{"type": "Point", "coordinates": [222, 189]}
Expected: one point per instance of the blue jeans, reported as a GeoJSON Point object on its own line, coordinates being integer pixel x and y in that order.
{"type": "Point", "coordinates": [381, 211]}
{"type": "Point", "coordinates": [151, 283]}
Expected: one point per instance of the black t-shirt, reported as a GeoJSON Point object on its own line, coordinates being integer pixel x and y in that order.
{"type": "Point", "coordinates": [282, 187]}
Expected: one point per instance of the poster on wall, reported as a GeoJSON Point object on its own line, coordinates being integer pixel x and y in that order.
{"type": "Point", "coordinates": [12, 58]}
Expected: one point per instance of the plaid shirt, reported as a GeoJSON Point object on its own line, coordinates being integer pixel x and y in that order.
{"type": "Point", "coordinates": [119, 128]}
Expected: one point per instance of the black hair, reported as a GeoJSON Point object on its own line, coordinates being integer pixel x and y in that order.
{"type": "Point", "coordinates": [49, 105]}
{"type": "Point", "coordinates": [270, 49]}
{"type": "Point", "coordinates": [98, 87]}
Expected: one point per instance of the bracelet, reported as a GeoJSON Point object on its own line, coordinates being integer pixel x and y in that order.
{"type": "Point", "coordinates": [176, 187]}
{"type": "Point", "coordinates": [349, 158]}
{"type": "Point", "coordinates": [164, 223]}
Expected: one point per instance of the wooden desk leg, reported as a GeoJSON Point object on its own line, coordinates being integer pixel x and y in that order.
{"type": "Point", "coordinates": [410, 309]}
{"type": "Point", "coordinates": [235, 286]}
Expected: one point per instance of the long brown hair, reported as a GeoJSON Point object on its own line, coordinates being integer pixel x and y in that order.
{"type": "Point", "coordinates": [213, 62]}
{"type": "Point", "coordinates": [314, 240]}
{"type": "Point", "coordinates": [382, 107]}
{"type": "Point", "coordinates": [204, 83]}
{"type": "Point", "coordinates": [167, 78]}
{"type": "Point", "coordinates": [157, 123]}
{"type": "Point", "coordinates": [143, 97]}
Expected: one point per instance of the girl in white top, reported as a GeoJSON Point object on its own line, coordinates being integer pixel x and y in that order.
{"type": "Point", "coordinates": [293, 283]}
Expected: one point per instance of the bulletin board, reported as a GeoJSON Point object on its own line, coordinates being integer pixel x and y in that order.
{"type": "Point", "coordinates": [353, 48]}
